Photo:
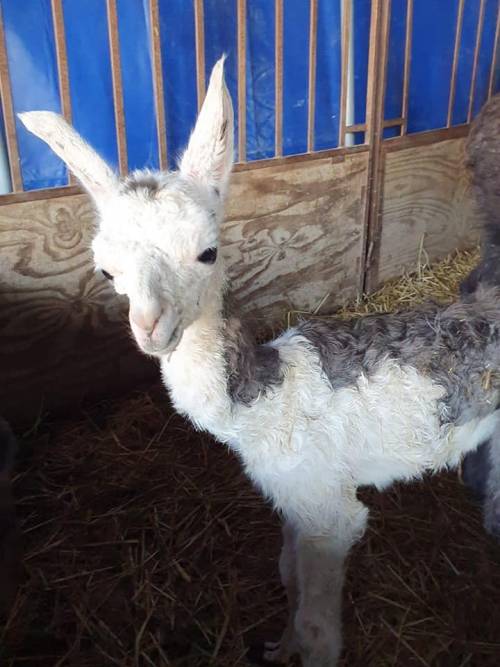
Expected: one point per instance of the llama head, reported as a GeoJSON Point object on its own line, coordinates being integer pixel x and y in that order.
{"type": "Point", "coordinates": [158, 233]}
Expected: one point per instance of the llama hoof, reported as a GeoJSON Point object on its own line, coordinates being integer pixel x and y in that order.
{"type": "Point", "coordinates": [265, 653]}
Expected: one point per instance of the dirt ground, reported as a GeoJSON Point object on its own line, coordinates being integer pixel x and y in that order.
{"type": "Point", "coordinates": [145, 545]}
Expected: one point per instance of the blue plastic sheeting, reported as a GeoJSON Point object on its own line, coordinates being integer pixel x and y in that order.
{"type": "Point", "coordinates": [89, 68]}
{"type": "Point", "coordinates": [328, 75]}
{"type": "Point", "coordinates": [33, 70]}
{"type": "Point", "coordinates": [138, 94]}
{"type": "Point", "coordinates": [465, 62]}
{"type": "Point", "coordinates": [395, 61]}
{"type": "Point", "coordinates": [260, 88]}
{"type": "Point", "coordinates": [485, 55]}
{"type": "Point", "coordinates": [32, 65]}
{"type": "Point", "coordinates": [432, 59]}
{"type": "Point", "coordinates": [431, 63]}
{"type": "Point", "coordinates": [179, 72]}
{"type": "Point", "coordinates": [361, 44]}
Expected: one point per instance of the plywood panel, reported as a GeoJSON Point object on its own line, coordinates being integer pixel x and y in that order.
{"type": "Point", "coordinates": [62, 333]}
{"type": "Point", "coordinates": [427, 202]}
{"type": "Point", "coordinates": [293, 235]}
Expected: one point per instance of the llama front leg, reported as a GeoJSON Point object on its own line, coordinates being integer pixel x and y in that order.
{"type": "Point", "coordinates": [281, 652]}
{"type": "Point", "coordinates": [320, 577]}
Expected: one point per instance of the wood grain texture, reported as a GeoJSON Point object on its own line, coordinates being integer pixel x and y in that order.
{"type": "Point", "coordinates": [62, 331]}
{"type": "Point", "coordinates": [292, 236]}
{"type": "Point", "coordinates": [426, 200]}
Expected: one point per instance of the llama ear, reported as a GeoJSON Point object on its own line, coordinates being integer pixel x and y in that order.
{"type": "Point", "coordinates": [209, 155]}
{"type": "Point", "coordinates": [90, 169]}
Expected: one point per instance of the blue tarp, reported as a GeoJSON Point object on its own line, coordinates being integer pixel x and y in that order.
{"type": "Point", "coordinates": [33, 70]}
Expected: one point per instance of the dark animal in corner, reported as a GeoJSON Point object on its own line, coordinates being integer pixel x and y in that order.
{"type": "Point", "coordinates": [10, 555]}
{"type": "Point", "coordinates": [481, 469]}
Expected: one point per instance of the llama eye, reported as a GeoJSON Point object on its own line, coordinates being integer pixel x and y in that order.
{"type": "Point", "coordinates": [208, 256]}
{"type": "Point", "coordinates": [107, 275]}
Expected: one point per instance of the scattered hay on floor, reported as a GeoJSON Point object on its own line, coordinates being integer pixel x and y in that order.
{"type": "Point", "coordinates": [145, 545]}
{"type": "Point", "coordinates": [438, 282]}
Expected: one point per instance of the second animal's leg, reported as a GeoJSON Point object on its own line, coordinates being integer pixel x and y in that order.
{"type": "Point", "coordinates": [282, 651]}
{"type": "Point", "coordinates": [481, 474]}
{"type": "Point", "coordinates": [10, 552]}
{"type": "Point", "coordinates": [320, 576]}
{"type": "Point", "coordinates": [491, 507]}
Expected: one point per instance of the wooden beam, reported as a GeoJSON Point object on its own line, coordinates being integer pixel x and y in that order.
{"type": "Point", "coordinates": [311, 102]}
{"type": "Point", "coordinates": [116, 75]}
{"type": "Point", "coordinates": [407, 65]}
{"type": "Point", "coordinates": [377, 70]}
{"type": "Point", "coordinates": [278, 78]}
{"type": "Point", "coordinates": [242, 80]}
{"type": "Point", "coordinates": [8, 115]}
{"type": "Point", "coordinates": [161, 126]}
{"type": "Point", "coordinates": [199, 32]}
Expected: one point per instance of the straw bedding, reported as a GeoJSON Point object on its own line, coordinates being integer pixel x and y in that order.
{"type": "Point", "coordinates": [145, 545]}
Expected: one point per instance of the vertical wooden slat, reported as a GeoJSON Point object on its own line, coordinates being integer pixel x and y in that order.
{"type": "Point", "coordinates": [161, 126]}
{"type": "Point", "coordinates": [116, 75]}
{"type": "Point", "coordinates": [311, 105]}
{"type": "Point", "coordinates": [479, 34]}
{"type": "Point", "coordinates": [62, 59]}
{"type": "Point", "coordinates": [377, 71]}
{"type": "Point", "coordinates": [346, 28]}
{"type": "Point", "coordinates": [407, 65]}
{"type": "Point", "coordinates": [62, 65]}
{"type": "Point", "coordinates": [456, 52]}
{"type": "Point", "coordinates": [199, 31]}
{"type": "Point", "coordinates": [242, 80]}
{"type": "Point", "coordinates": [278, 78]}
{"type": "Point", "coordinates": [494, 57]}
{"type": "Point", "coordinates": [8, 115]}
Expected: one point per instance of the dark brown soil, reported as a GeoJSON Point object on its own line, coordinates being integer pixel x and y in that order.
{"type": "Point", "coordinates": [145, 545]}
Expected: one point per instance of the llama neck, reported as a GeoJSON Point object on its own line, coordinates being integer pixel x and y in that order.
{"type": "Point", "coordinates": [217, 367]}
{"type": "Point", "coordinates": [196, 374]}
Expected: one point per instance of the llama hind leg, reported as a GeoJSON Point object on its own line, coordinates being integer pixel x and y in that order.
{"type": "Point", "coordinates": [320, 576]}
{"type": "Point", "coordinates": [282, 651]}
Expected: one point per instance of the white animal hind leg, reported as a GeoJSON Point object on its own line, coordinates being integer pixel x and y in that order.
{"type": "Point", "coordinates": [282, 651]}
{"type": "Point", "coordinates": [320, 575]}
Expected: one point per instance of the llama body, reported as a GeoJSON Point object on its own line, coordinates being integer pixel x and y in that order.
{"type": "Point", "coordinates": [302, 439]}
{"type": "Point", "coordinates": [322, 410]}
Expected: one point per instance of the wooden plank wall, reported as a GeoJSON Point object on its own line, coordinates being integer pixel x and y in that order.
{"type": "Point", "coordinates": [426, 210]}
{"type": "Point", "coordinates": [293, 238]}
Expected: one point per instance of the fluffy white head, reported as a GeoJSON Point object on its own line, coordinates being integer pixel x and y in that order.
{"type": "Point", "coordinates": [158, 233]}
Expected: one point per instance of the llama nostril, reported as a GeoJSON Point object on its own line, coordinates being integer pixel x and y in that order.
{"type": "Point", "coordinates": [144, 320]}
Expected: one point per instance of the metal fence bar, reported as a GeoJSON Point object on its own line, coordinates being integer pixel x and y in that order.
{"type": "Point", "coordinates": [242, 80]}
{"type": "Point", "coordinates": [311, 104]}
{"type": "Point", "coordinates": [8, 115]}
{"type": "Point", "coordinates": [278, 78]}
{"type": "Point", "coordinates": [62, 65]}
{"type": "Point", "coordinates": [199, 32]}
{"type": "Point", "coordinates": [116, 76]}
{"type": "Point", "coordinates": [407, 65]}
{"type": "Point", "coordinates": [161, 127]}
{"type": "Point", "coordinates": [346, 29]}
{"type": "Point", "coordinates": [479, 34]}
{"type": "Point", "coordinates": [456, 52]}
{"type": "Point", "coordinates": [494, 58]}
